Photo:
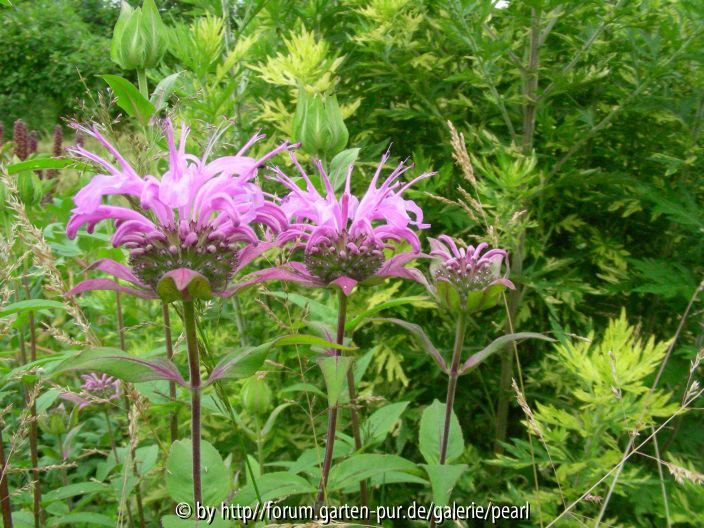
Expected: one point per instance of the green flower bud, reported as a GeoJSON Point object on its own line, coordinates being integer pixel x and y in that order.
{"type": "Point", "coordinates": [139, 40]}
{"type": "Point", "coordinates": [55, 422]}
{"type": "Point", "coordinates": [318, 124]}
{"type": "Point", "coordinates": [29, 188]}
{"type": "Point", "coordinates": [256, 395]}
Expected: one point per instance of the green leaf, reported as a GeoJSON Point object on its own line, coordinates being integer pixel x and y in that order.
{"type": "Point", "coordinates": [242, 364]}
{"type": "Point", "coordinates": [42, 163]}
{"type": "Point", "coordinates": [432, 425]}
{"type": "Point", "coordinates": [335, 373]}
{"type": "Point", "coordinates": [269, 424]}
{"type": "Point", "coordinates": [364, 466]}
{"type": "Point", "coordinates": [320, 311]}
{"type": "Point", "coordinates": [163, 90]}
{"type": "Point", "coordinates": [302, 387]}
{"type": "Point", "coordinates": [380, 423]}
{"type": "Point", "coordinates": [274, 486]}
{"type": "Point", "coordinates": [45, 399]}
{"type": "Point", "coordinates": [29, 306]}
{"type": "Point", "coordinates": [420, 301]}
{"type": "Point", "coordinates": [417, 331]}
{"type": "Point", "coordinates": [130, 99]}
{"type": "Point", "coordinates": [179, 473]}
{"type": "Point", "coordinates": [73, 490]}
{"type": "Point", "coordinates": [496, 345]}
{"type": "Point", "coordinates": [122, 365]}
{"type": "Point", "coordinates": [442, 479]}
{"type": "Point", "coordinates": [339, 166]}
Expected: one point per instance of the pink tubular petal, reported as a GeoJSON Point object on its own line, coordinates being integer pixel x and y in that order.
{"type": "Point", "coordinates": [90, 196]}
{"type": "Point", "coordinates": [249, 253]}
{"type": "Point", "coordinates": [438, 248]}
{"type": "Point", "coordinates": [75, 398]}
{"type": "Point", "coordinates": [506, 283]}
{"type": "Point", "coordinates": [103, 212]}
{"type": "Point", "coordinates": [230, 166]}
{"type": "Point", "coordinates": [118, 270]}
{"type": "Point", "coordinates": [107, 284]}
{"type": "Point", "coordinates": [293, 272]}
{"type": "Point", "coordinates": [395, 267]}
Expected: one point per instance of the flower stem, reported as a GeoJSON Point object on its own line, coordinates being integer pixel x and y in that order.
{"type": "Point", "coordinates": [332, 411]}
{"type": "Point", "coordinates": [452, 384]}
{"type": "Point", "coordinates": [123, 347]}
{"type": "Point", "coordinates": [5, 505]}
{"type": "Point", "coordinates": [173, 419]}
{"type": "Point", "coordinates": [451, 388]}
{"type": "Point", "coordinates": [142, 82]}
{"type": "Point", "coordinates": [189, 321]}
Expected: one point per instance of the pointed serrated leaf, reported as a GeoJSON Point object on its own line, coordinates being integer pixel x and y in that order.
{"type": "Point", "coordinates": [335, 374]}
{"type": "Point", "coordinates": [130, 99]}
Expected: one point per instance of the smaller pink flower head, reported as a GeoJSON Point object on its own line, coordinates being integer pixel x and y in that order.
{"type": "Point", "coordinates": [476, 277]}
{"type": "Point", "coordinates": [96, 388]}
{"type": "Point", "coordinates": [101, 386]}
{"type": "Point", "coordinates": [196, 220]}
{"type": "Point", "coordinates": [344, 238]}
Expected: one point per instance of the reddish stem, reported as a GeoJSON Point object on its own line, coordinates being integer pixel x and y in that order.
{"type": "Point", "coordinates": [332, 411]}
{"type": "Point", "coordinates": [5, 505]}
{"type": "Point", "coordinates": [189, 322]}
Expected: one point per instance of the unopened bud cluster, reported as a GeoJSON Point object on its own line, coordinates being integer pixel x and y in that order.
{"type": "Point", "coordinates": [358, 257]}
{"type": "Point", "coordinates": [467, 276]}
{"type": "Point", "coordinates": [200, 249]}
{"type": "Point", "coordinates": [101, 386]}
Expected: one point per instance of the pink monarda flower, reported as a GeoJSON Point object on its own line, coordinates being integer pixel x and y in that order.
{"type": "Point", "coordinates": [101, 386]}
{"type": "Point", "coordinates": [344, 239]}
{"type": "Point", "coordinates": [194, 228]}
{"type": "Point", "coordinates": [96, 388]}
{"type": "Point", "coordinates": [464, 279]}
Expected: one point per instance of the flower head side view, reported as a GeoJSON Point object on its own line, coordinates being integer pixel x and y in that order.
{"type": "Point", "coordinates": [344, 239]}
{"type": "Point", "coordinates": [196, 221]}
{"type": "Point", "coordinates": [464, 279]}
{"type": "Point", "coordinates": [192, 233]}
{"type": "Point", "coordinates": [96, 388]}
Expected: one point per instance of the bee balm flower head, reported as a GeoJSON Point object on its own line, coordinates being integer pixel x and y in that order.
{"type": "Point", "coordinates": [465, 279]}
{"type": "Point", "coordinates": [344, 239]}
{"type": "Point", "coordinates": [193, 228]}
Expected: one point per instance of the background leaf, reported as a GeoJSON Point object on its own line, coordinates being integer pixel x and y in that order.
{"type": "Point", "coordinates": [179, 473]}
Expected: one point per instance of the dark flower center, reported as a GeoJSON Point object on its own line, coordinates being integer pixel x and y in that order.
{"type": "Point", "coordinates": [196, 248]}
{"type": "Point", "coordinates": [358, 257]}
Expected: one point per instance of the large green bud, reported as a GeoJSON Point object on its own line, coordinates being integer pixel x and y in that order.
{"type": "Point", "coordinates": [139, 40]}
{"type": "Point", "coordinates": [256, 395]}
{"type": "Point", "coordinates": [318, 124]}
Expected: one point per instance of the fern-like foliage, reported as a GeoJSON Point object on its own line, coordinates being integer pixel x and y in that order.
{"type": "Point", "coordinates": [600, 395]}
